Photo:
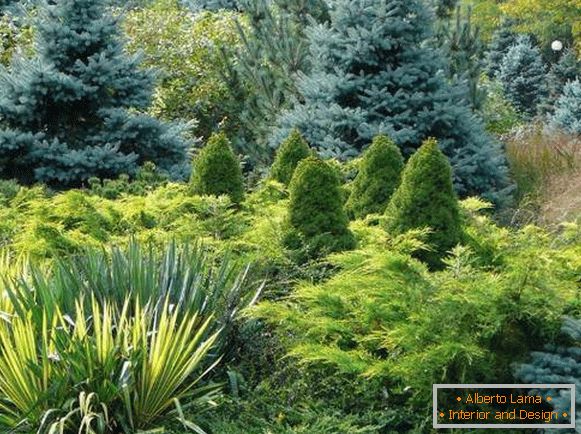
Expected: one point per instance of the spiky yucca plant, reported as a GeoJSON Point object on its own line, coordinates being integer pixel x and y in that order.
{"type": "Point", "coordinates": [110, 341]}
{"type": "Point", "coordinates": [187, 275]}
{"type": "Point", "coordinates": [129, 367]}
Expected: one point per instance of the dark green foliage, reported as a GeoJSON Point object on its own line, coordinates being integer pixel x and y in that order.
{"type": "Point", "coordinates": [463, 47]}
{"type": "Point", "coordinates": [426, 199]}
{"type": "Point", "coordinates": [568, 109]}
{"type": "Point", "coordinates": [444, 8]}
{"type": "Point", "coordinates": [316, 206]}
{"type": "Point", "coordinates": [289, 154]}
{"type": "Point", "coordinates": [502, 40]}
{"type": "Point", "coordinates": [69, 113]}
{"type": "Point", "coordinates": [217, 170]}
{"type": "Point", "coordinates": [379, 176]}
{"type": "Point", "coordinates": [187, 50]}
{"type": "Point", "coordinates": [523, 76]}
{"type": "Point", "coordinates": [371, 75]}
{"type": "Point", "coordinates": [558, 364]}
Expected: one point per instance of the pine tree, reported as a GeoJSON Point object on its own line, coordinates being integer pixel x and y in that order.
{"type": "Point", "coordinates": [273, 51]}
{"type": "Point", "coordinates": [444, 8]}
{"type": "Point", "coordinates": [378, 177]}
{"type": "Point", "coordinates": [502, 40]}
{"type": "Point", "coordinates": [426, 199]}
{"type": "Point", "coordinates": [558, 364]}
{"type": "Point", "coordinates": [463, 47]}
{"type": "Point", "coordinates": [72, 112]}
{"type": "Point", "coordinates": [316, 207]}
{"type": "Point", "coordinates": [217, 170]}
{"type": "Point", "coordinates": [523, 76]}
{"type": "Point", "coordinates": [289, 154]}
{"type": "Point", "coordinates": [567, 114]}
{"type": "Point", "coordinates": [373, 73]}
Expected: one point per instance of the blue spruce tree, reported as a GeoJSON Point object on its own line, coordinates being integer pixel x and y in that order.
{"type": "Point", "coordinates": [567, 114]}
{"type": "Point", "coordinates": [73, 111]}
{"type": "Point", "coordinates": [565, 70]}
{"type": "Point", "coordinates": [211, 5]}
{"type": "Point", "coordinates": [523, 76]}
{"type": "Point", "coordinates": [373, 73]}
{"type": "Point", "coordinates": [502, 40]}
{"type": "Point", "coordinates": [558, 364]}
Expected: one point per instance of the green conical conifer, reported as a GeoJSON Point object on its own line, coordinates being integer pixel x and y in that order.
{"type": "Point", "coordinates": [426, 199]}
{"type": "Point", "coordinates": [316, 206]}
{"type": "Point", "coordinates": [217, 170]}
{"type": "Point", "coordinates": [379, 175]}
{"type": "Point", "coordinates": [291, 152]}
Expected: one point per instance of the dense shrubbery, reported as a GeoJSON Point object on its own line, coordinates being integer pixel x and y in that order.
{"type": "Point", "coordinates": [385, 316]}
{"type": "Point", "coordinates": [123, 304]}
{"type": "Point", "coordinates": [191, 84]}
{"type": "Point", "coordinates": [36, 224]}
{"type": "Point", "coordinates": [510, 285]}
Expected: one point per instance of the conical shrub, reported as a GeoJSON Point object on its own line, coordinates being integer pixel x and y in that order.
{"type": "Point", "coordinates": [291, 152]}
{"type": "Point", "coordinates": [426, 198]}
{"type": "Point", "coordinates": [217, 170]}
{"type": "Point", "coordinates": [316, 207]}
{"type": "Point", "coordinates": [379, 175]}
